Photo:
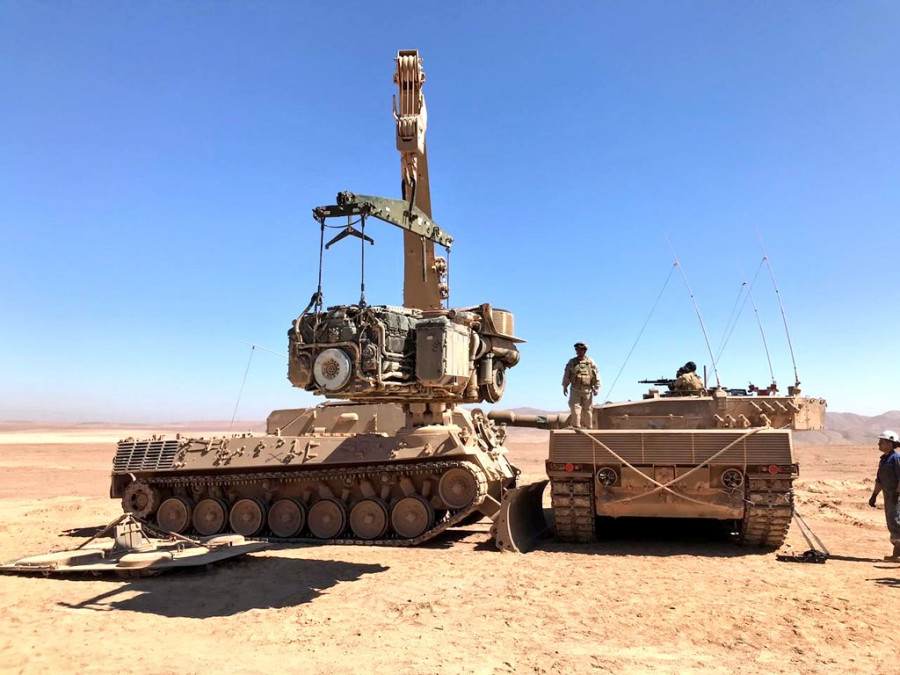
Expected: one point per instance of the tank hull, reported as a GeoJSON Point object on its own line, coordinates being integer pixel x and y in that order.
{"type": "Point", "coordinates": [716, 457]}
{"type": "Point", "coordinates": [713, 474]}
{"type": "Point", "coordinates": [372, 474]}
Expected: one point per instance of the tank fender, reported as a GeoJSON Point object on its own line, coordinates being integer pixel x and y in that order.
{"type": "Point", "coordinates": [119, 482]}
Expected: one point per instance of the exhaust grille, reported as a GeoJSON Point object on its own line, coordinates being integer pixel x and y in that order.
{"type": "Point", "coordinates": [681, 447]}
{"type": "Point", "coordinates": [145, 455]}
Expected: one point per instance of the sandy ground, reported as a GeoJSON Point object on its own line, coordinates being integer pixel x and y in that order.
{"type": "Point", "coordinates": [654, 599]}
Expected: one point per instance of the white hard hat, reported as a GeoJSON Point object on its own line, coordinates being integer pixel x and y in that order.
{"type": "Point", "coordinates": [889, 435]}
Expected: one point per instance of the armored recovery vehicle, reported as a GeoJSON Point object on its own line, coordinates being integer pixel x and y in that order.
{"type": "Point", "coordinates": [396, 460]}
{"type": "Point", "coordinates": [711, 454]}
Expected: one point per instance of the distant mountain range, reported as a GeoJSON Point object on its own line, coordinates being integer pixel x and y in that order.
{"type": "Point", "coordinates": [851, 429]}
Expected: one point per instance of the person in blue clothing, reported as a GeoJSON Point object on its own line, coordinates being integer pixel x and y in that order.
{"type": "Point", "coordinates": [887, 481]}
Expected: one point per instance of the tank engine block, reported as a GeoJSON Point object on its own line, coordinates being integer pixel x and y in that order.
{"type": "Point", "coordinates": [401, 354]}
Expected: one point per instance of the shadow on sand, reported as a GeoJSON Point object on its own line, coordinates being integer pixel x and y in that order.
{"type": "Point", "coordinates": [887, 581]}
{"type": "Point", "coordinates": [649, 537]}
{"type": "Point", "coordinates": [83, 532]}
{"type": "Point", "coordinates": [228, 588]}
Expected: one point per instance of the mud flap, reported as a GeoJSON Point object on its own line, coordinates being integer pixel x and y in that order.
{"type": "Point", "coordinates": [520, 521]}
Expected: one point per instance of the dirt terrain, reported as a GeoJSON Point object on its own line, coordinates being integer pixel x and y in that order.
{"type": "Point", "coordinates": [664, 598]}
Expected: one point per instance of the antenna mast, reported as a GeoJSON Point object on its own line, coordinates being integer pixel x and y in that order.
{"type": "Point", "coordinates": [762, 332]}
{"type": "Point", "coordinates": [699, 317]}
{"type": "Point", "coordinates": [781, 307]}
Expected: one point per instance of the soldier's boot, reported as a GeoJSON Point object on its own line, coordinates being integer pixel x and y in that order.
{"type": "Point", "coordinates": [895, 556]}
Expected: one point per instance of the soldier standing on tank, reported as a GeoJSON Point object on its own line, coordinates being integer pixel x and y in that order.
{"type": "Point", "coordinates": [887, 481]}
{"type": "Point", "coordinates": [582, 375]}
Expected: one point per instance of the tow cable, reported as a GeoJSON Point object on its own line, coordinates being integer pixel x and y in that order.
{"type": "Point", "coordinates": [817, 552]}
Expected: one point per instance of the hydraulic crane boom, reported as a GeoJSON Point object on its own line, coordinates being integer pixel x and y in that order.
{"type": "Point", "coordinates": [424, 285]}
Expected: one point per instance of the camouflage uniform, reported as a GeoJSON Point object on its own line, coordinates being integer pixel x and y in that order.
{"type": "Point", "coordinates": [688, 382]}
{"type": "Point", "coordinates": [583, 377]}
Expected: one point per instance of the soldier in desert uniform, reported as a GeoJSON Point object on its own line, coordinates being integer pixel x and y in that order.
{"type": "Point", "coordinates": [686, 379]}
{"type": "Point", "coordinates": [887, 481]}
{"type": "Point", "coordinates": [582, 375]}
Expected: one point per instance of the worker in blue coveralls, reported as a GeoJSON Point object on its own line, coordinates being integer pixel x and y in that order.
{"type": "Point", "coordinates": [887, 481]}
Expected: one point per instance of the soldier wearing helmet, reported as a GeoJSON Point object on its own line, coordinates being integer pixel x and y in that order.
{"type": "Point", "coordinates": [582, 375]}
{"type": "Point", "coordinates": [686, 379]}
{"type": "Point", "coordinates": [887, 481]}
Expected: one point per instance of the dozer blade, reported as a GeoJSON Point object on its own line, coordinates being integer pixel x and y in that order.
{"type": "Point", "coordinates": [134, 553]}
{"type": "Point", "coordinates": [520, 522]}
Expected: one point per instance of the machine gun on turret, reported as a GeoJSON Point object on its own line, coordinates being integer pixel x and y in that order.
{"type": "Point", "coordinates": [660, 382]}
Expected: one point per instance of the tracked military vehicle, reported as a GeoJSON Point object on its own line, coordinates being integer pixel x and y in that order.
{"type": "Point", "coordinates": [711, 454]}
{"type": "Point", "coordinates": [395, 459]}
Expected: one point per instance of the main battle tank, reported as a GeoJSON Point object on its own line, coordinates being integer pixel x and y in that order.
{"type": "Point", "coordinates": [395, 460]}
{"type": "Point", "coordinates": [710, 455]}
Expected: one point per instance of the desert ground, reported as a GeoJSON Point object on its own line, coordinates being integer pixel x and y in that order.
{"type": "Point", "coordinates": [664, 598]}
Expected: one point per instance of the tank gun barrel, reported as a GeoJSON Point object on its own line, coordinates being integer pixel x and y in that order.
{"type": "Point", "coordinates": [514, 419]}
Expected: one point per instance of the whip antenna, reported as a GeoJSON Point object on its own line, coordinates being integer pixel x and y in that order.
{"type": "Point", "coordinates": [641, 332]}
{"type": "Point", "coordinates": [271, 351]}
{"type": "Point", "coordinates": [758, 319]}
{"type": "Point", "coordinates": [781, 307]}
{"type": "Point", "coordinates": [253, 348]}
{"type": "Point", "coordinates": [699, 317]}
{"type": "Point", "coordinates": [732, 325]}
{"type": "Point", "coordinates": [732, 320]}
{"type": "Point", "coordinates": [243, 382]}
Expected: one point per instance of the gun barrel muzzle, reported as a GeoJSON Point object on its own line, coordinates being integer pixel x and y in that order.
{"type": "Point", "coordinates": [514, 419]}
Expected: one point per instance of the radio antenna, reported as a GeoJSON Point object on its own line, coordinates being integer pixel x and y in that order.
{"type": "Point", "coordinates": [781, 307]}
{"type": "Point", "coordinates": [762, 332]}
{"type": "Point", "coordinates": [641, 332]}
{"type": "Point", "coordinates": [699, 317]}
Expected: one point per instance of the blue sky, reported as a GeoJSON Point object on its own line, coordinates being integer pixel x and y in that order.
{"type": "Point", "coordinates": [158, 164]}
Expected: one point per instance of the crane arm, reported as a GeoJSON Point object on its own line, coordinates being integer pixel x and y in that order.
{"type": "Point", "coordinates": [393, 211]}
{"type": "Point", "coordinates": [423, 285]}
{"type": "Point", "coordinates": [412, 120]}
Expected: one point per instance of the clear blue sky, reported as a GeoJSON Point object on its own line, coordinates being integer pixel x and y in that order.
{"type": "Point", "coordinates": [158, 163]}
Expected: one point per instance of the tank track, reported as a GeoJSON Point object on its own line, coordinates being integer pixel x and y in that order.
{"type": "Point", "coordinates": [573, 509]}
{"type": "Point", "coordinates": [353, 473]}
{"type": "Point", "coordinates": [768, 511]}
